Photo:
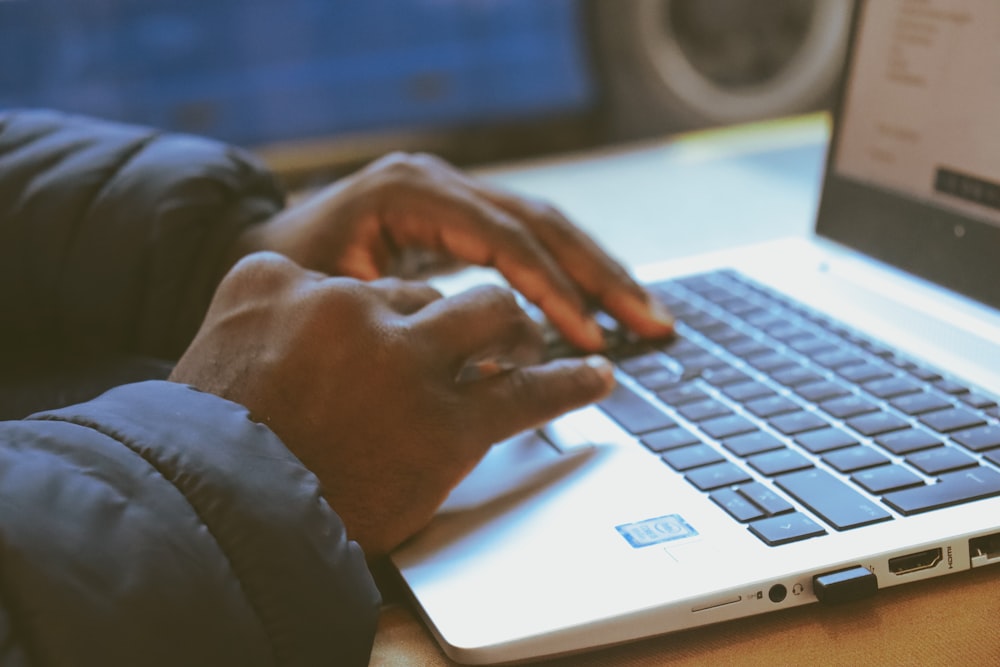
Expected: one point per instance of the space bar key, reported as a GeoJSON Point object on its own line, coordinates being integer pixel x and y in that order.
{"type": "Point", "coordinates": [833, 500]}
{"type": "Point", "coordinates": [951, 489]}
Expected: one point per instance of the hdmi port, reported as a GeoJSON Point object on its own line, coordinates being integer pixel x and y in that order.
{"type": "Point", "coordinates": [922, 560]}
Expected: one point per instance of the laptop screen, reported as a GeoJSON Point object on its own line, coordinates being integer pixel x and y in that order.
{"type": "Point", "coordinates": [914, 172]}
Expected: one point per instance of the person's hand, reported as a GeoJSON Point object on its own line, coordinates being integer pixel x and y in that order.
{"type": "Point", "coordinates": [368, 226]}
{"type": "Point", "coordinates": [369, 383]}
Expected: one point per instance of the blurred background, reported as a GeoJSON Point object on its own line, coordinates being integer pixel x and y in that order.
{"type": "Point", "coordinates": [319, 87]}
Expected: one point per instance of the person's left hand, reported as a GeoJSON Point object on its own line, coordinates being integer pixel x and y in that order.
{"type": "Point", "coordinates": [368, 225]}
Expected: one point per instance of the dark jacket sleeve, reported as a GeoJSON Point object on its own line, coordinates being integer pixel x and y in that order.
{"type": "Point", "coordinates": [157, 525]}
{"type": "Point", "coordinates": [112, 236]}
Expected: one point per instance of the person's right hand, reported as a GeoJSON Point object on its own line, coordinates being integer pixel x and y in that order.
{"type": "Point", "coordinates": [369, 384]}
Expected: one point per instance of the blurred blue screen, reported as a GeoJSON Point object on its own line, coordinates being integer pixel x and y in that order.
{"type": "Point", "coordinates": [260, 71]}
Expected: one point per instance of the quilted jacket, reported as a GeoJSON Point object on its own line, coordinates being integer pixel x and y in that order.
{"type": "Point", "coordinates": [144, 523]}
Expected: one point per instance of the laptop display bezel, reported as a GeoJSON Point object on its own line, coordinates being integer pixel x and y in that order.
{"type": "Point", "coordinates": [956, 251]}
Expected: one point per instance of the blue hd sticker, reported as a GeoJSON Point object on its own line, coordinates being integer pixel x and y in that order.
{"type": "Point", "coordinates": [654, 531]}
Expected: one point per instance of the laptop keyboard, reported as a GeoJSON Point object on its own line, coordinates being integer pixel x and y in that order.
{"type": "Point", "coordinates": [794, 424]}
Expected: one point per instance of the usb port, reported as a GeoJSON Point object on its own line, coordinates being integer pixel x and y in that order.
{"type": "Point", "coordinates": [922, 560]}
{"type": "Point", "coordinates": [984, 550]}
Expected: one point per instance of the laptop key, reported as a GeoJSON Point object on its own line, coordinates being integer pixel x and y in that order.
{"type": "Point", "coordinates": [832, 499]}
{"type": "Point", "coordinates": [694, 456]}
{"type": "Point", "coordinates": [635, 414]}
{"type": "Point", "coordinates": [980, 438]}
{"type": "Point", "coordinates": [886, 478]}
{"type": "Point", "coordinates": [785, 528]}
{"type": "Point", "coordinates": [821, 391]}
{"type": "Point", "coordinates": [727, 427]}
{"type": "Point", "coordinates": [779, 462]}
{"type": "Point", "coordinates": [764, 497]}
{"type": "Point", "coordinates": [855, 458]}
{"type": "Point", "coordinates": [891, 387]}
{"type": "Point", "coordinates": [940, 459]}
{"type": "Point", "coordinates": [711, 477]}
{"type": "Point", "coordinates": [916, 404]}
{"type": "Point", "coordinates": [877, 423]}
{"type": "Point", "coordinates": [752, 443]}
{"type": "Point", "coordinates": [798, 422]}
{"type": "Point", "coordinates": [825, 440]}
{"type": "Point", "coordinates": [910, 440]}
{"type": "Point", "coordinates": [848, 406]}
{"type": "Point", "coordinates": [954, 488]}
{"type": "Point", "coordinates": [954, 419]}
{"type": "Point", "coordinates": [736, 505]}
{"type": "Point", "coordinates": [669, 438]}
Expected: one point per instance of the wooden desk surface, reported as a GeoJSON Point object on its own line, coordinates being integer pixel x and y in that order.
{"type": "Point", "coordinates": [670, 191]}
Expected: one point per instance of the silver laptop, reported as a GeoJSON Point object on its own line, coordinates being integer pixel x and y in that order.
{"type": "Point", "coordinates": [826, 423]}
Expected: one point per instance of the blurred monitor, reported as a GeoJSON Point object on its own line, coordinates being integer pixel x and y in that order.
{"type": "Point", "coordinates": [314, 82]}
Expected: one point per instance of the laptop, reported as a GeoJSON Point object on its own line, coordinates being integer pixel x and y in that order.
{"type": "Point", "coordinates": [825, 424]}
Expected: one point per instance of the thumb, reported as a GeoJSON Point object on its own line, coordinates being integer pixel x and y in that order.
{"type": "Point", "coordinates": [530, 396]}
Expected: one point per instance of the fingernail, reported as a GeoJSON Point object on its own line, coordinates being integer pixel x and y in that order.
{"type": "Point", "coordinates": [661, 314]}
{"type": "Point", "coordinates": [602, 366]}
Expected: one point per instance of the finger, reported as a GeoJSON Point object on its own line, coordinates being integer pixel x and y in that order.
{"type": "Point", "coordinates": [483, 325]}
{"type": "Point", "coordinates": [471, 228]}
{"type": "Point", "coordinates": [602, 279]}
{"type": "Point", "coordinates": [405, 296]}
{"type": "Point", "coordinates": [530, 396]}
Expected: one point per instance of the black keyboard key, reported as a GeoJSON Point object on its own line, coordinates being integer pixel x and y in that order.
{"type": "Point", "coordinates": [940, 460]}
{"type": "Point", "coordinates": [661, 379]}
{"type": "Point", "coordinates": [711, 477]}
{"type": "Point", "coordinates": [980, 438]}
{"type": "Point", "coordinates": [925, 374]}
{"type": "Point", "coordinates": [702, 410]}
{"type": "Point", "coordinates": [916, 404]}
{"type": "Point", "coordinates": [883, 479]}
{"type": "Point", "coordinates": [910, 440]}
{"type": "Point", "coordinates": [825, 440]}
{"type": "Point", "coordinates": [722, 377]}
{"type": "Point", "coordinates": [891, 387]}
{"type": "Point", "coordinates": [951, 387]}
{"type": "Point", "coordinates": [770, 361]}
{"type": "Point", "coordinates": [954, 419]}
{"type": "Point", "coordinates": [977, 400]}
{"type": "Point", "coordinates": [953, 488]}
{"type": "Point", "coordinates": [748, 347]}
{"type": "Point", "coordinates": [798, 422]}
{"type": "Point", "coordinates": [644, 364]}
{"type": "Point", "coordinates": [694, 456]}
{"type": "Point", "coordinates": [771, 406]}
{"type": "Point", "coordinates": [737, 506]}
{"type": "Point", "coordinates": [681, 394]}
{"type": "Point", "coordinates": [670, 438]}
{"type": "Point", "coordinates": [727, 427]}
{"type": "Point", "coordinates": [635, 414]}
{"type": "Point", "coordinates": [852, 459]}
{"type": "Point", "coordinates": [752, 443]}
{"type": "Point", "coordinates": [831, 499]}
{"type": "Point", "coordinates": [747, 391]}
{"type": "Point", "coordinates": [812, 344]}
{"type": "Point", "coordinates": [848, 406]}
{"type": "Point", "coordinates": [821, 391]}
{"type": "Point", "coordinates": [785, 528]}
{"type": "Point", "coordinates": [795, 375]}
{"type": "Point", "coordinates": [765, 498]}
{"type": "Point", "coordinates": [877, 423]}
{"type": "Point", "coordinates": [838, 358]}
{"type": "Point", "coordinates": [865, 372]}
{"type": "Point", "coordinates": [779, 462]}
{"type": "Point", "coordinates": [993, 457]}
